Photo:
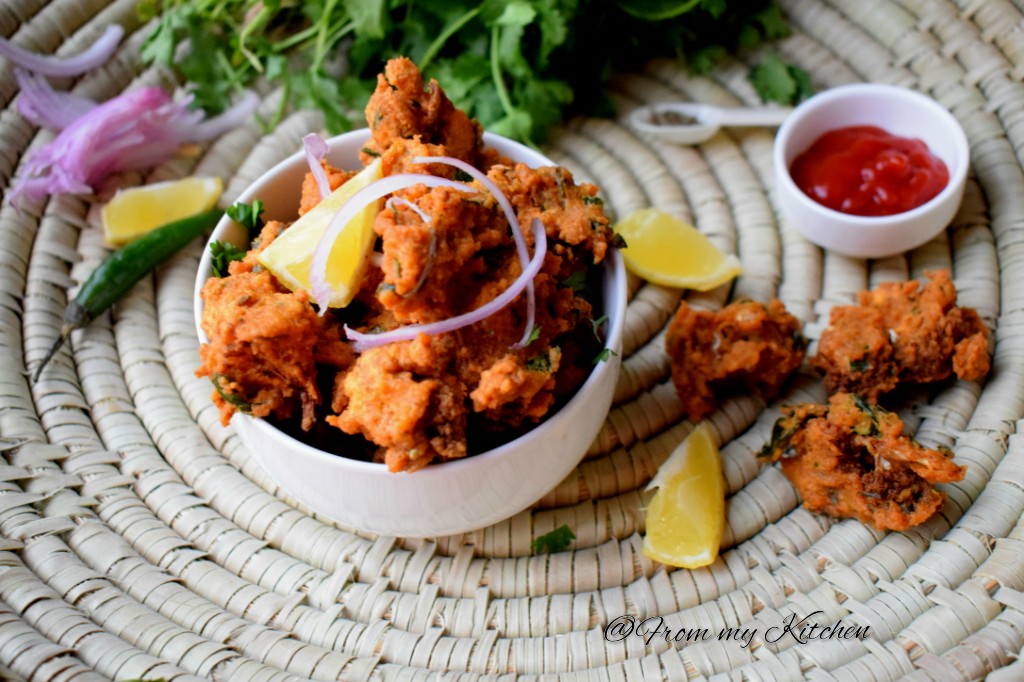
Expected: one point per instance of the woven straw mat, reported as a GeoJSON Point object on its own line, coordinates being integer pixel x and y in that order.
{"type": "Point", "coordinates": [139, 539]}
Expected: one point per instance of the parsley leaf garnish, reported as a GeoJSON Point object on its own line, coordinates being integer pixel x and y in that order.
{"type": "Point", "coordinates": [555, 541]}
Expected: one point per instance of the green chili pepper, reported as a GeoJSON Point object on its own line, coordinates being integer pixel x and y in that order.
{"type": "Point", "coordinates": [116, 275]}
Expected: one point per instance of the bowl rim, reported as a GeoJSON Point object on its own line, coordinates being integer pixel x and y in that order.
{"type": "Point", "coordinates": [613, 268]}
{"type": "Point", "coordinates": [957, 176]}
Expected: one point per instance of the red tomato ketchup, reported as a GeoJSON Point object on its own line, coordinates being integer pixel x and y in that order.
{"type": "Point", "coordinates": [864, 170]}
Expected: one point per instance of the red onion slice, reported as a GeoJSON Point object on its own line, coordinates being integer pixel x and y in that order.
{"type": "Point", "coordinates": [316, 150]}
{"type": "Point", "coordinates": [513, 222]}
{"type": "Point", "coordinates": [45, 107]}
{"type": "Point", "coordinates": [363, 342]}
{"type": "Point", "coordinates": [432, 249]}
{"type": "Point", "coordinates": [137, 129]}
{"type": "Point", "coordinates": [224, 122]}
{"type": "Point", "coordinates": [48, 65]}
{"type": "Point", "coordinates": [322, 290]}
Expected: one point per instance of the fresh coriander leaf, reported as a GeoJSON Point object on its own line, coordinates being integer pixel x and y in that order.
{"type": "Point", "coordinates": [147, 9]}
{"type": "Point", "coordinates": [368, 16]}
{"type": "Point", "coordinates": [771, 22]}
{"type": "Point", "coordinates": [658, 10]}
{"type": "Point", "coordinates": [703, 60]}
{"type": "Point", "coordinates": [247, 215]}
{"type": "Point", "coordinates": [555, 541]}
{"type": "Point", "coordinates": [461, 77]}
{"type": "Point", "coordinates": [222, 254]}
{"type": "Point", "coordinates": [237, 401]}
{"type": "Point", "coordinates": [777, 81]}
{"type": "Point", "coordinates": [159, 45]}
{"type": "Point", "coordinates": [516, 13]}
{"type": "Point", "coordinates": [773, 81]}
{"type": "Point", "coordinates": [553, 22]}
{"type": "Point", "coordinates": [804, 88]}
{"type": "Point", "coordinates": [577, 281]}
{"type": "Point", "coordinates": [596, 326]}
{"type": "Point", "coordinates": [605, 354]}
{"type": "Point", "coordinates": [540, 362]}
{"type": "Point", "coordinates": [715, 8]}
{"type": "Point", "coordinates": [534, 335]}
{"type": "Point", "coordinates": [515, 124]}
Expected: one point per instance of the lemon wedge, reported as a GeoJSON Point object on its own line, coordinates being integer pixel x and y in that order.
{"type": "Point", "coordinates": [665, 250]}
{"type": "Point", "coordinates": [686, 516]}
{"type": "Point", "coordinates": [134, 211]}
{"type": "Point", "coordinates": [289, 256]}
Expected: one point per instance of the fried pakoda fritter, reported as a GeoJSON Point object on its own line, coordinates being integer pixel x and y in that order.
{"type": "Point", "coordinates": [902, 332]}
{"type": "Point", "coordinates": [402, 108]}
{"type": "Point", "coordinates": [745, 346]}
{"type": "Point", "coordinates": [850, 460]}
{"type": "Point", "coordinates": [260, 354]}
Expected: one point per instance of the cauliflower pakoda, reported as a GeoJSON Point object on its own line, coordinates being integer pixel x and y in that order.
{"type": "Point", "coordinates": [849, 459]}
{"type": "Point", "coordinates": [902, 332]}
{"type": "Point", "coordinates": [744, 346]}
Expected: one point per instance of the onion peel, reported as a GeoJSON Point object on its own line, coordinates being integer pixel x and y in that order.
{"type": "Point", "coordinates": [316, 150]}
{"type": "Point", "coordinates": [58, 67]}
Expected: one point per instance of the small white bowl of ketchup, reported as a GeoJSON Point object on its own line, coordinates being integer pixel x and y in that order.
{"type": "Point", "coordinates": [870, 170]}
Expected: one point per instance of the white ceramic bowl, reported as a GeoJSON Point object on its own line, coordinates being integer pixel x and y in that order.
{"type": "Point", "coordinates": [899, 111]}
{"type": "Point", "coordinates": [441, 499]}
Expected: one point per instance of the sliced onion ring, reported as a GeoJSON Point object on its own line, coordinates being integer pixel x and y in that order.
{"type": "Point", "coordinates": [45, 107]}
{"type": "Point", "coordinates": [431, 250]}
{"type": "Point", "coordinates": [48, 65]}
{"type": "Point", "coordinates": [362, 342]}
{"type": "Point", "coordinates": [322, 290]}
{"type": "Point", "coordinates": [316, 150]}
{"type": "Point", "coordinates": [513, 222]}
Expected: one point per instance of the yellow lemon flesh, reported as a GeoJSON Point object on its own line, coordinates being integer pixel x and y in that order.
{"type": "Point", "coordinates": [685, 518]}
{"type": "Point", "coordinates": [290, 255]}
{"type": "Point", "coordinates": [665, 250]}
{"type": "Point", "coordinates": [135, 211]}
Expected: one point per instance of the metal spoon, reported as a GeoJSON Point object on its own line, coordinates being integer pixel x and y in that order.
{"type": "Point", "coordinates": [687, 123]}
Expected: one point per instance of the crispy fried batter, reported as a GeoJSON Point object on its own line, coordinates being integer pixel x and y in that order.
{"type": "Point", "coordinates": [902, 332]}
{"type": "Point", "coordinates": [311, 190]}
{"type": "Point", "coordinates": [744, 346]}
{"type": "Point", "coordinates": [260, 354]}
{"type": "Point", "coordinates": [401, 397]}
{"type": "Point", "coordinates": [401, 108]}
{"type": "Point", "coordinates": [851, 460]}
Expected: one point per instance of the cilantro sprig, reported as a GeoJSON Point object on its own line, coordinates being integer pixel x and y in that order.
{"type": "Point", "coordinates": [555, 541]}
{"type": "Point", "coordinates": [519, 66]}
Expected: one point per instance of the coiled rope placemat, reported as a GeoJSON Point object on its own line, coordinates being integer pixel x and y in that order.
{"type": "Point", "coordinates": [138, 539]}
